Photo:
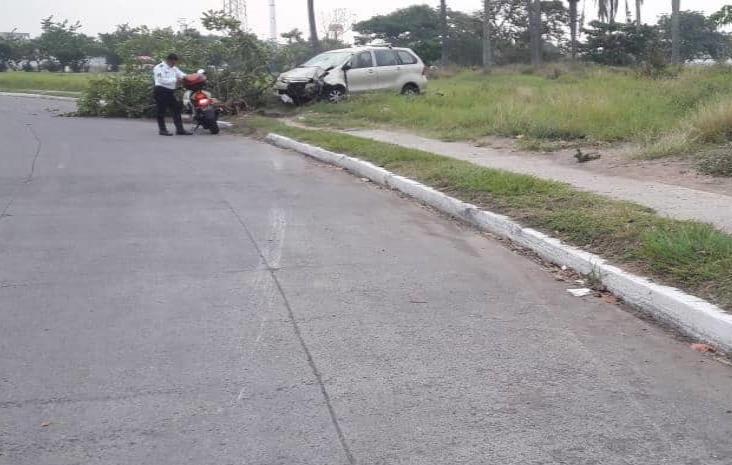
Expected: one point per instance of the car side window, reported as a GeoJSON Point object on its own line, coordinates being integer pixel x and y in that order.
{"type": "Point", "coordinates": [363, 60]}
{"type": "Point", "coordinates": [406, 58]}
{"type": "Point", "coordinates": [386, 58]}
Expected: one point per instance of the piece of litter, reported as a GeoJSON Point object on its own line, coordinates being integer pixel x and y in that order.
{"type": "Point", "coordinates": [45, 423]}
{"type": "Point", "coordinates": [703, 348]}
{"type": "Point", "coordinates": [579, 281]}
{"type": "Point", "coordinates": [564, 267]}
{"type": "Point", "coordinates": [580, 292]}
{"type": "Point", "coordinates": [365, 180]}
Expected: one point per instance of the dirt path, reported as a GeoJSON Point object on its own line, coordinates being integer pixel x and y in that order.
{"type": "Point", "coordinates": [690, 197]}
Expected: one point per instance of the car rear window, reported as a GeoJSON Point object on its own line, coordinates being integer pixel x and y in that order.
{"type": "Point", "coordinates": [386, 58]}
{"type": "Point", "coordinates": [407, 58]}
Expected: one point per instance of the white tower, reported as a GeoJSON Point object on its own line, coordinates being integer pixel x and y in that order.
{"type": "Point", "coordinates": [272, 21]}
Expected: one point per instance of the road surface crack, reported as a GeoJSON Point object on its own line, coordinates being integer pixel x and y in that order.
{"type": "Point", "coordinates": [31, 173]}
{"type": "Point", "coordinates": [39, 146]}
{"type": "Point", "coordinates": [298, 333]}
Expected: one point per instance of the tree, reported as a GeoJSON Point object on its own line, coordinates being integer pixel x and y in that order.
{"type": "Point", "coordinates": [314, 42]}
{"type": "Point", "coordinates": [723, 17]}
{"type": "Point", "coordinates": [6, 54]}
{"type": "Point", "coordinates": [487, 48]}
{"type": "Point", "coordinates": [293, 36]}
{"type": "Point", "coordinates": [622, 44]}
{"type": "Point", "coordinates": [62, 41]}
{"type": "Point", "coordinates": [675, 32]}
{"type": "Point", "coordinates": [607, 10]}
{"type": "Point", "coordinates": [418, 27]}
{"type": "Point", "coordinates": [443, 33]}
{"type": "Point", "coordinates": [573, 26]}
{"type": "Point", "coordinates": [535, 29]}
{"type": "Point", "coordinates": [698, 37]}
{"type": "Point", "coordinates": [111, 42]}
{"type": "Point", "coordinates": [415, 27]}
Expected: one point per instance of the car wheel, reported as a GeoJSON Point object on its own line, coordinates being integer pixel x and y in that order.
{"type": "Point", "coordinates": [336, 94]}
{"type": "Point", "coordinates": [410, 89]}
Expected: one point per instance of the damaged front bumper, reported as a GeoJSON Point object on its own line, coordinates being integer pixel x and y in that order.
{"type": "Point", "coordinates": [297, 91]}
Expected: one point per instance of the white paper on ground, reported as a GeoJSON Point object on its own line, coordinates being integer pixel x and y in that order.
{"type": "Point", "coordinates": [580, 292]}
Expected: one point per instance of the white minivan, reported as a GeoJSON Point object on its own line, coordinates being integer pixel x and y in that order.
{"type": "Point", "coordinates": [331, 75]}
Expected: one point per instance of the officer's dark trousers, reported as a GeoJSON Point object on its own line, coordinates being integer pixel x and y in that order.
{"type": "Point", "coordinates": [165, 100]}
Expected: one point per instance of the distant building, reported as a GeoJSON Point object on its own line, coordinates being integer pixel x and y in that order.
{"type": "Point", "coordinates": [15, 35]}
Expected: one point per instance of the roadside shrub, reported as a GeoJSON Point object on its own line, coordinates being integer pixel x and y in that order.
{"type": "Point", "coordinates": [238, 90]}
{"type": "Point", "coordinates": [129, 94]}
{"type": "Point", "coordinates": [716, 162]}
{"type": "Point", "coordinates": [126, 95]}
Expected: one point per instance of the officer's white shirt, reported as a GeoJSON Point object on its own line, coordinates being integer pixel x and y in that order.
{"type": "Point", "coordinates": [167, 76]}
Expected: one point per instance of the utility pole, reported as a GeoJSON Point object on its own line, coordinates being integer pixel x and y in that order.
{"type": "Point", "coordinates": [487, 46]}
{"type": "Point", "coordinates": [314, 42]}
{"type": "Point", "coordinates": [535, 31]}
{"type": "Point", "coordinates": [676, 32]}
{"type": "Point", "coordinates": [444, 32]}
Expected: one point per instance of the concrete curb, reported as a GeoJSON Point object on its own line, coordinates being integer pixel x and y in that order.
{"type": "Point", "coordinates": [693, 316]}
{"type": "Point", "coordinates": [42, 96]}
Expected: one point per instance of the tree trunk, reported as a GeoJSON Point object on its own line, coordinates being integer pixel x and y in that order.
{"type": "Point", "coordinates": [535, 31]}
{"type": "Point", "coordinates": [638, 19]}
{"type": "Point", "coordinates": [443, 32]}
{"type": "Point", "coordinates": [314, 42]}
{"type": "Point", "coordinates": [675, 32]}
{"type": "Point", "coordinates": [487, 47]}
{"type": "Point", "coordinates": [573, 27]}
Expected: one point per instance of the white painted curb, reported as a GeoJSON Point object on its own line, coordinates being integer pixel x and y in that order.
{"type": "Point", "coordinates": [691, 315]}
{"type": "Point", "coordinates": [43, 96]}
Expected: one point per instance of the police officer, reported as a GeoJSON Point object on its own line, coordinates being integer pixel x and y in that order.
{"type": "Point", "coordinates": [167, 77]}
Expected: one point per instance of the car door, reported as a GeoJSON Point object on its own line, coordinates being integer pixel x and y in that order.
{"type": "Point", "coordinates": [388, 68]}
{"type": "Point", "coordinates": [362, 76]}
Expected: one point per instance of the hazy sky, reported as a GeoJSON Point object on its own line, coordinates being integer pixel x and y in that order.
{"type": "Point", "coordinates": [102, 15]}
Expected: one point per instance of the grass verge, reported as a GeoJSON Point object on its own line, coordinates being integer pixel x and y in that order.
{"type": "Point", "coordinates": [33, 82]}
{"type": "Point", "coordinates": [689, 255]}
{"type": "Point", "coordinates": [587, 103]}
{"type": "Point", "coordinates": [710, 124]}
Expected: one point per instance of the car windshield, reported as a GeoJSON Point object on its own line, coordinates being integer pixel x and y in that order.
{"type": "Point", "coordinates": [328, 60]}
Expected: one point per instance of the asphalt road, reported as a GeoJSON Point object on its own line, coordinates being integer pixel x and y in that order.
{"type": "Point", "coordinates": [214, 300]}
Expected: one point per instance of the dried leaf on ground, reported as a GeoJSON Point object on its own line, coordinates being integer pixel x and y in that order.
{"type": "Point", "coordinates": [703, 348]}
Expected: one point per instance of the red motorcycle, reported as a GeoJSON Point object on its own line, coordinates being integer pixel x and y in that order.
{"type": "Point", "coordinates": [200, 103]}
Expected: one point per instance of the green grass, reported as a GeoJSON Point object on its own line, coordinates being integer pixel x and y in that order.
{"type": "Point", "coordinates": [592, 103]}
{"type": "Point", "coordinates": [58, 83]}
{"type": "Point", "coordinates": [708, 125]}
{"type": "Point", "coordinates": [693, 256]}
